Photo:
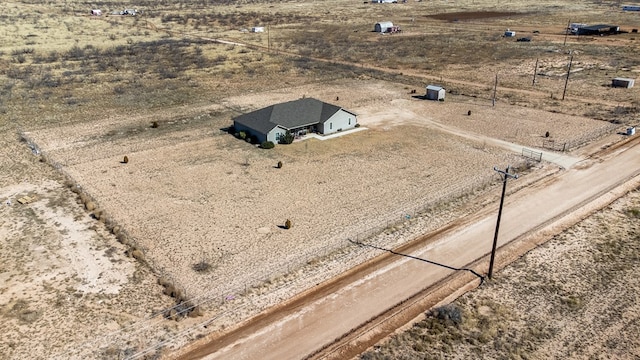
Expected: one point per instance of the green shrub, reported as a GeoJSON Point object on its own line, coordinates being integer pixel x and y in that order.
{"type": "Point", "coordinates": [242, 135]}
{"type": "Point", "coordinates": [287, 138]}
{"type": "Point", "coordinates": [267, 145]}
{"type": "Point", "coordinates": [288, 224]}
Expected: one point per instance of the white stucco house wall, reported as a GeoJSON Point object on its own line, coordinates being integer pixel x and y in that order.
{"type": "Point", "coordinates": [302, 116]}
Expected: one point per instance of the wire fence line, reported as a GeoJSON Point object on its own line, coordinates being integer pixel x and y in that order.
{"type": "Point", "coordinates": [583, 139]}
{"type": "Point", "coordinates": [338, 248]}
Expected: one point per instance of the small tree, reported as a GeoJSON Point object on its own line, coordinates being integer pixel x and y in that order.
{"type": "Point", "coordinates": [267, 145]}
{"type": "Point", "coordinates": [288, 224]}
{"type": "Point", "coordinates": [154, 124]}
{"type": "Point", "coordinates": [279, 165]}
{"type": "Point", "coordinates": [125, 160]}
{"type": "Point", "coordinates": [546, 134]}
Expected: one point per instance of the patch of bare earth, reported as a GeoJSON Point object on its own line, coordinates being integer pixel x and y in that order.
{"type": "Point", "coordinates": [573, 297]}
{"type": "Point", "coordinates": [61, 270]}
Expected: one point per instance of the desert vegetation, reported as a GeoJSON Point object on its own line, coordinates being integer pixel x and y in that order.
{"type": "Point", "coordinates": [81, 96]}
{"type": "Point", "coordinates": [536, 307]}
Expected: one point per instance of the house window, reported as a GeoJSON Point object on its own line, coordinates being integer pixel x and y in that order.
{"type": "Point", "coordinates": [277, 136]}
{"type": "Point", "coordinates": [330, 126]}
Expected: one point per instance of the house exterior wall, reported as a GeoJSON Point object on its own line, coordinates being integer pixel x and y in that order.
{"type": "Point", "coordinates": [260, 136]}
{"type": "Point", "coordinates": [341, 120]}
{"type": "Point", "coordinates": [275, 134]}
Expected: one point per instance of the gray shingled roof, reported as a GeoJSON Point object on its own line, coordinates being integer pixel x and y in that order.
{"type": "Point", "coordinates": [289, 115]}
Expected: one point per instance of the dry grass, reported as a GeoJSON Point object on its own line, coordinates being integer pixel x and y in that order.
{"type": "Point", "coordinates": [89, 88]}
{"type": "Point", "coordinates": [538, 308]}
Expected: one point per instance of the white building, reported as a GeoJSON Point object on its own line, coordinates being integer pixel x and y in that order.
{"type": "Point", "coordinates": [435, 92]}
{"type": "Point", "coordinates": [382, 26]}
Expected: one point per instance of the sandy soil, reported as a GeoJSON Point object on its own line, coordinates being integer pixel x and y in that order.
{"type": "Point", "coordinates": [191, 195]}
{"type": "Point", "coordinates": [345, 188]}
{"type": "Point", "coordinates": [573, 298]}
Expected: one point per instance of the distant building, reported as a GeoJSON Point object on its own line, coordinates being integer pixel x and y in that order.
{"type": "Point", "coordinates": [435, 92]}
{"type": "Point", "coordinates": [631, 8]}
{"type": "Point", "coordinates": [622, 82]}
{"type": "Point", "coordinates": [601, 29]}
{"type": "Point", "coordinates": [509, 33]}
{"type": "Point", "coordinates": [383, 26]}
{"type": "Point", "coordinates": [96, 12]}
{"type": "Point", "coordinates": [257, 29]}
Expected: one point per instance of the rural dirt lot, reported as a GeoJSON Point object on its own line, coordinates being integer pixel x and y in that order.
{"type": "Point", "coordinates": [106, 255]}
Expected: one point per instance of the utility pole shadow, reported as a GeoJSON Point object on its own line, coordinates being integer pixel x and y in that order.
{"type": "Point", "coordinates": [481, 277]}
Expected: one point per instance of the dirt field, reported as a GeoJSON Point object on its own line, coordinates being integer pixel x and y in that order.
{"type": "Point", "coordinates": [573, 297]}
{"type": "Point", "coordinates": [203, 211]}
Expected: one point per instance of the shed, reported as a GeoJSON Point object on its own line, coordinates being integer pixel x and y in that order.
{"type": "Point", "coordinates": [622, 82]}
{"type": "Point", "coordinates": [382, 26]}
{"type": "Point", "coordinates": [257, 29]}
{"type": "Point", "coordinates": [631, 130]}
{"type": "Point", "coordinates": [96, 12]}
{"type": "Point", "coordinates": [509, 33]}
{"type": "Point", "coordinates": [601, 29]}
{"type": "Point", "coordinates": [435, 92]}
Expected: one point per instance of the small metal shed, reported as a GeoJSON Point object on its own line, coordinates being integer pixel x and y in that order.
{"type": "Point", "coordinates": [509, 33]}
{"type": "Point", "coordinates": [631, 130]}
{"type": "Point", "coordinates": [257, 29]}
{"type": "Point", "coordinates": [435, 92]}
{"type": "Point", "coordinates": [382, 26]}
{"type": "Point", "coordinates": [622, 82]}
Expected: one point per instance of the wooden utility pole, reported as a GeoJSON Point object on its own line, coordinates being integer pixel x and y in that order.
{"type": "Point", "coordinates": [566, 33]}
{"type": "Point", "coordinates": [268, 38]}
{"type": "Point", "coordinates": [535, 71]}
{"type": "Point", "coordinates": [495, 89]}
{"type": "Point", "coordinates": [567, 79]}
{"type": "Point", "coordinates": [506, 176]}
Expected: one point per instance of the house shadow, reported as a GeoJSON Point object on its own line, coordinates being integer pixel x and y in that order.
{"type": "Point", "coordinates": [419, 97]}
{"type": "Point", "coordinates": [481, 277]}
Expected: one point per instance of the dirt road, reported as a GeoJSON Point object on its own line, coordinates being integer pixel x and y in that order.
{"type": "Point", "coordinates": [314, 320]}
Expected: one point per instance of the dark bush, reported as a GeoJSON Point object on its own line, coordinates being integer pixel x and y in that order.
{"type": "Point", "coordinates": [287, 138]}
{"type": "Point", "coordinates": [267, 145]}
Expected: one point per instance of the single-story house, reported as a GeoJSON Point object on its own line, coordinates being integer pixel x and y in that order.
{"type": "Point", "coordinates": [382, 26]}
{"type": "Point", "coordinates": [299, 117]}
{"type": "Point", "coordinates": [435, 92]}
{"type": "Point", "coordinates": [622, 82]}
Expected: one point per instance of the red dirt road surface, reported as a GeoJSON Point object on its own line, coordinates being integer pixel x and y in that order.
{"type": "Point", "coordinates": [314, 320]}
